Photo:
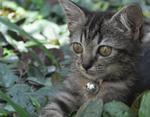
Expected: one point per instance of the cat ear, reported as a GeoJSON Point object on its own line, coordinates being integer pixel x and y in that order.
{"type": "Point", "coordinates": [75, 15]}
{"type": "Point", "coordinates": [129, 18]}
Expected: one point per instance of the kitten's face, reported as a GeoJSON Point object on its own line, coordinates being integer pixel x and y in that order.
{"type": "Point", "coordinates": [103, 47]}
{"type": "Point", "coordinates": [101, 51]}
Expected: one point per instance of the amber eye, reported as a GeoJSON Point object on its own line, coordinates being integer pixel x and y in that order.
{"type": "Point", "coordinates": [77, 47]}
{"type": "Point", "coordinates": [105, 50]}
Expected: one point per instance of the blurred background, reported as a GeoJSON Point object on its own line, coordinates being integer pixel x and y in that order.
{"type": "Point", "coordinates": [34, 51]}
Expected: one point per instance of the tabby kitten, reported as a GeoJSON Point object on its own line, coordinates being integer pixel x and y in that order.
{"type": "Point", "coordinates": [106, 48]}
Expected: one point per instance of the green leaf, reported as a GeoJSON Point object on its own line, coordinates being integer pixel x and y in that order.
{"type": "Point", "coordinates": [136, 104]}
{"type": "Point", "coordinates": [21, 112]}
{"type": "Point", "coordinates": [92, 108]}
{"type": "Point", "coordinates": [117, 109]}
{"type": "Point", "coordinates": [9, 4]}
{"type": "Point", "coordinates": [35, 103]}
{"type": "Point", "coordinates": [144, 110]}
{"type": "Point", "coordinates": [20, 94]}
{"type": "Point", "coordinates": [45, 94]}
{"type": "Point", "coordinates": [3, 113]}
{"type": "Point", "coordinates": [9, 108]}
{"type": "Point", "coordinates": [7, 77]}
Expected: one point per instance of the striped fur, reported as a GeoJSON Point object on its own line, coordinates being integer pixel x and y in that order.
{"type": "Point", "coordinates": [94, 29]}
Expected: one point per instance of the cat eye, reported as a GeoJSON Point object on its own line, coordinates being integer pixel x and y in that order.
{"type": "Point", "coordinates": [105, 50]}
{"type": "Point", "coordinates": [77, 47]}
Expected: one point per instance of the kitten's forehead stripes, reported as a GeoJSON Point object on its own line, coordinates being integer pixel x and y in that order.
{"type": "Point", "coordinates": [92, 28]}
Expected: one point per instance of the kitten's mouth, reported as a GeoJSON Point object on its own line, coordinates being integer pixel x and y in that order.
{"type": "Point", "coordinates": [89, 74]}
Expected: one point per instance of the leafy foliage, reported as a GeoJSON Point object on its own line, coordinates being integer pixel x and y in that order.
{"type": "Point", "coordinates": [92, 108]}
{"type": "Point", "coordinates": [29, 56]}
{"type": "Point", "coordinates": [33, 48]}
{"type": "Point", "coordinates": [117, 109]}
{"type": "Point", "coordinates": [96, 108]}
{"type": "Point", "coordinates": [19, 109]}
{"type": "Point", "coordinates": [144, 106]}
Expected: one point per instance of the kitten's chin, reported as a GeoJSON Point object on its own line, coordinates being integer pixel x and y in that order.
{"type": "Point", "coordinates": [88, 76]}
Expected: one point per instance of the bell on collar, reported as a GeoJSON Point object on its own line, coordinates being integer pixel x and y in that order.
{"type": "Point", "coordinates": [92, 87]}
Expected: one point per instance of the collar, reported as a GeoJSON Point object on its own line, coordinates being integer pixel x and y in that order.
{"type": "Point", "coordinates": [91, 86]}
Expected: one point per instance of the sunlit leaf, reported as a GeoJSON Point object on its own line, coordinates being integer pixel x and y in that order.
{"type": "Point", "coordinates": [14, 27]}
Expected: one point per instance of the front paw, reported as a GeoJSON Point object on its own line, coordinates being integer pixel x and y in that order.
{"type": "Point", "coordinates": [52, 110]}
{"type": "Point", "coordinates": [51, 113]}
